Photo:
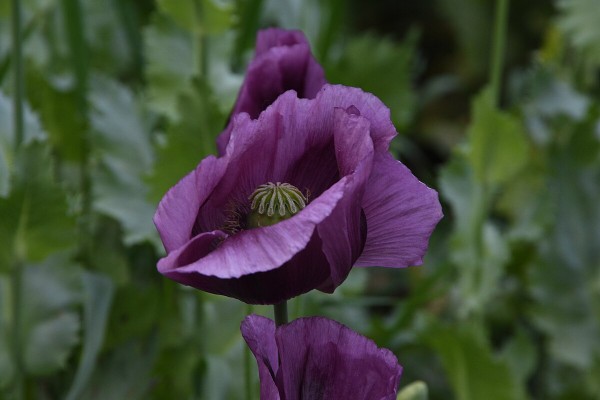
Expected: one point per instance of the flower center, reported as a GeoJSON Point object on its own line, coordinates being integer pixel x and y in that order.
{"type": "Point", "coordinates": [274, 202]}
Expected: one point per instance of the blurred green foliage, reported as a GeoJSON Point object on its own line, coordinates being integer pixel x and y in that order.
{"type": "Point", "coordinates": [123, 98]}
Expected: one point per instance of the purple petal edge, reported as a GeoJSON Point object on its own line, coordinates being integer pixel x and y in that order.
{"type": "Point", "coordinates": [401, 214]}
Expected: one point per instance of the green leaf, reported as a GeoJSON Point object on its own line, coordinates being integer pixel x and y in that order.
{"type": "Point", "coordinates": [119, 125]}
{"type": "Point", "coordinates": [98, 293]}
{"type": "Point", "coordinates": [182, 12]}
{"type": "Point", "coordinates": [564, 279]}
{"type": "Point", "coordinates": [498, 142]}
{"type": "Point", "coordinates": [521, 356]}
{"type": "Point", "coordinates": [578, 19]}
{"type": "Point", "coordinates": [189, 140]}
{"type": "Point", "coordinates": [204, 373]}
{"type": "Point", "coordinates": [32, 131]}
{"type": "Point", "coordinates": [54, 99]}
{"type": "Point", "coordinates": [50, 327]}
{"type": "Point", "coordinates": [205, 16]}
{"type": "Point", "coordinates": [138, 312]}
{"type": "Point", "coordinates": [50, 342]}
{"type": "Point", "coordinates": [122, 143]}
{"type": "Point", "coordinates": [124, 373]}
{"type": "Point", "coordinates": [106, 36]}
{"type": "Point", "coordinates": [473, 370]}
{"type": "Point", "coordinates": [170, 66]}
{"type": "Point", "coordinates": [547, 100]}
{"type": "Point", "coordinates": [479, 250]}
{"type": "Point", "coordinates": [386, 59]}
{"type": "Point", "coordinates": [113, 263]}
{"type": "Point", "coordinates": [35, 218]}
{"type": "Point", "coordinates": [216, 16]}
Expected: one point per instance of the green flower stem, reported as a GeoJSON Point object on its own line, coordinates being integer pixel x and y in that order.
{"type": "Point", "coordinates": [247, 365]}
{"type": "Point", "coordinates": [201, 39]}
{"type": "Point", "coordinates": [281, 313]}
{"type": "Point", "coordinates": [79, 61]}
{"type": "Point", "coordinates": [17, 56]}
{"type": "Point", "coordinates": [250, 12]}
{"type": "Point", "coordinates": [482, 199]}
{"type": "Point", "coordinates": [17, 267]}
{"type": "Point", "coordinates": [498, 48]}
{"type": "Point", "coordinates": [19, 375]}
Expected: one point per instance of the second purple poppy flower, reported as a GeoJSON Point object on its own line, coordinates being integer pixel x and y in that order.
{"type": "Point", "coordinates": [317, 358]}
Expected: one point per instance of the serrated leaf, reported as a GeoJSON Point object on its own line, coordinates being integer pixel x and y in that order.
{"type": "Point", "coordinates": [498, 146]}
{"type": "Point", "coordinates": [564, 282]}
{"type": "Point", "coordinates": [121, 195]}
{"type": "Point", "coordinates": [189, 140]}
{"type": "Point", "coordinates": [579, 20]}
{"type": "Point", "coordinates": [386, 59]}
{"type": "Point", "coordinates": [54, 99]}
{"type": "Point", "coordinates": [547, 101]}
{"type": "Point", "coordinates": [170, 65]}
{"type": "Point", "coordinates": [479, 249]}
{"type": "Point", "coordinates": [205, 16]}
{"type": "Point", "coordinates": [120, 131]}
{"type": "Point", "coordinates": [35, 218]}
{"type": "Point", "coordinates": [216, 16]}
{"type": "Point", "coordinates": [105, 34]}
{"type": "Point", "coordinates": [122, 142]}
{"type": "Point", "coordinates": [50, 327]}
{"type": "Point", "coordinates": [32, 131]}
{"type": "Point", "coordinates": [50, 342]}
{"type": "Point", "coordinates": [182, 12]}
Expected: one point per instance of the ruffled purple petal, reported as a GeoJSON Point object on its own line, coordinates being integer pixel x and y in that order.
{"type": "Point", "coordinates": [259, 334]}
{"type": "Point", "coordinates": [283, 61]}
{"type": "Point", "coordinates": [401, 214]}
{"type": "Point", "coordinates": [322, 359]}
{"type": "Point", "coordinates": [341, 233]}
{"type": "Point", "coordinates": [370, 107]}
{"type": "Point", "coordinates": [176, 213]}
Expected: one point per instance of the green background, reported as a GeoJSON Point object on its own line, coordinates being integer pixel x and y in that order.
{"type": "Point", "coordinates": [121, 98]}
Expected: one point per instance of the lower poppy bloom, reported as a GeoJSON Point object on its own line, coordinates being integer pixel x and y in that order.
{"type": "Point", "coordinates": [301, 195]}
{"type": "Point", "coordinates": [282, 61]}
{"type": "Point", "coordinates": [317, 358]}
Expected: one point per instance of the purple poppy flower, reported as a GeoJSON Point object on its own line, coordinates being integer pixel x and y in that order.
{"type": "Point", "coordinates": [233, 227]}
{"type": "Point", "coordinates": [282, 61]}
{"type": "Point", "coordinates": [317, 358]}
